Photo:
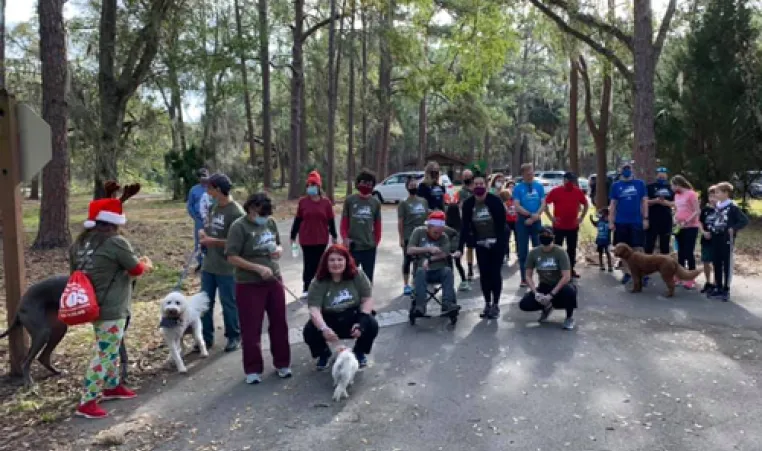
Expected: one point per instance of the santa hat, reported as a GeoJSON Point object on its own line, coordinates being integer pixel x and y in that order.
{"type": "Point", "coordinates": [313, 178]}
{"type": "Point", "coordinates": [105, 210]}
{"type": "Point", "coordinates": [436, 219]}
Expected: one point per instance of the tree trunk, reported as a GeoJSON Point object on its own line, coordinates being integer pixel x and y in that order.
{"type": "Point", "coordinates": [422, 132]}
{"type": "Point", "coordinates": [34, 188]}
{"type": "Point", "coordinates": [351, 112]}
{"type": "Point", "coordinates": [573, 107]}
{"type": "Point", "coordinates": [385, 91]}
{"type": "Point", "coordinates": [643, 121]}
{"type": "Point", "coordinates": [296, 100]}
{"type": "Point", "coordinates": [364, 90]}
{"type": "Point", "coordinates": [54, 210]}
{"type": "Point", "coordinates": [332, 100]}
{"type": "Point", "coordinates": [517, 155]}
{"type": "Point", "coordinates": [245, 82]}
{"type": "Point", "coordinates": [264, 58]}
{"type": "Point", "coordinates": [487, 147]}
{"type": "Point", "coordinates": [2, 44]}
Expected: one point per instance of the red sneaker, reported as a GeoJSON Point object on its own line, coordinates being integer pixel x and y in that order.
{"type": "Point", "coordinates": [90, 409]}
{"type": "Point", "coordinates": [120, 392]}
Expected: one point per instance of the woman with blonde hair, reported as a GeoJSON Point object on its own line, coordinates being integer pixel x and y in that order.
{"type": "Point", "coordinates": [430, 188]}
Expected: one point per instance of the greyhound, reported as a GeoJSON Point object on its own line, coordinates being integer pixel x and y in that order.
{"type": "Point", "coordinates": [38, 314]}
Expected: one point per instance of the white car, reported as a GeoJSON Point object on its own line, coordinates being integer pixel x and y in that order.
{"type": "Point", "coordinates": [584, 185]}
{"type": "Point", "coordinates": [393, 190]}
{"type": "Point", "coordinates": [550, 179]}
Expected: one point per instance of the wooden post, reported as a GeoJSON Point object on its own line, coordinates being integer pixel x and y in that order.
{"type": "Point", "coordinates": [13, 226]}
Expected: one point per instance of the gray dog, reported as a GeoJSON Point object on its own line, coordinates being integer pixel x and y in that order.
{"type": "Point", "coordinates": [38, 314]}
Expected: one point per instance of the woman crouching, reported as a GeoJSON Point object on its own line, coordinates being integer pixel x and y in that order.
{"type": "Point", "coordinates": [341, 307]}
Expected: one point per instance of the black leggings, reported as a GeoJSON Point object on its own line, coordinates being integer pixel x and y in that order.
{"type": "Point", "coordinates": [490, 261]}
{"type": "Point", "coordinates": [686, 247]}
{"type": "Point", "coordinates": [311, 255]}
{"type": "Point", "coordinates": [571, 237]}
{"type": "Point", "coordinates": [459, 265]}
{"type": "Point", "coordinates": [407, 260]}
{"type": "Point", "coordinates": [722, 260]}
{"type": "Point", "coordinates": [662, 236]}
{"type": "Point", "coordinates": [566, 299]}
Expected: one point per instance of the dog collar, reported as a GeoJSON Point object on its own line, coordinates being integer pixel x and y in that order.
{"type": "Point", "coordinates": [169, 323]}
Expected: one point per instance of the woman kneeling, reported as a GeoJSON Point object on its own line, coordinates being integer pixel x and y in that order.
{"type": "Point", "coordinates": [554, 271]}
{"type": "Point", "coordinates": [340, 306]}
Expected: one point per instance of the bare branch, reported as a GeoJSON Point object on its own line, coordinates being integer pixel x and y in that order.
{"type": "Point", "coordinates": [582, 69]}
{"type": "Point", "coordinates": [664, 28]}
{"type": "Point", "coordinates": [594, 22]}
{"type": "Point", "coordinates": [311, 30]}
{"type": "Point", "coordinates": [565, 27]}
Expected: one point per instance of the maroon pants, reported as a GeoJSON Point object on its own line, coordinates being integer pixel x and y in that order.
{"type": "Point", "coordinates": [254, 299]}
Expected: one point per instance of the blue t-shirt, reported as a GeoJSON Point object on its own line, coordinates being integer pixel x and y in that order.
{"type": "Point", "coordinates": [603, 233]}
{"type": "Point", "coordinates": [530, 196]}
{"type": "Point", "coordinates": [628, 195]}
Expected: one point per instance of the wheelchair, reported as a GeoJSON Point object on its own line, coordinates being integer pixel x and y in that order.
{"type": "Point", "coordinates": [433, 293]}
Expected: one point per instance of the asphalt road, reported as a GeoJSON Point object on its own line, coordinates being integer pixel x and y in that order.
{"type": "Point", "coordinates": [640, 373]}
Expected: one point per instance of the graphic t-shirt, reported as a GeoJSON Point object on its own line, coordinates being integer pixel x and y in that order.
{"type": "Point", "coordinates": [628, 195]}
{"type": "Point", "coordinates": [566, 205]}
{"type": "Point", "coordinates": [363, 214]}
{"type": "Point", "coordinates": [218, 226]}
{"type": "Point", "coordinates": [334, 297]}
{"type": "Point", "coordinates": [686, 203]}
{"type": "Point", "coordinates": [107, 269]}
{"type": "Point", "coordinates": [254, 243]}
{"type": "Point", "coordinates": [707, 217]}
{"type": "Point", "coordinates": [413, 212]}
{"type": "Point", "coordinates": [660, 216]}
{"type": "Point", "coordinates": [484, 226]}
{"type": "Point", "coordinates": [529, 195]}
{"type": "Point", "coordinates": [549, 264]}
{"type": "Point", "coordinates": [421, 238]}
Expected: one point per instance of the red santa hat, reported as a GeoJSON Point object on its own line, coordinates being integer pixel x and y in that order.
{"type": "Point", "coordinates": [436, 219]}
{"type": "Point", "coordinates": [105, 210]}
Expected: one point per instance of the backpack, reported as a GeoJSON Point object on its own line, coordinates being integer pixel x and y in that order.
{"type": "Point", "coordinates": [79, 304]}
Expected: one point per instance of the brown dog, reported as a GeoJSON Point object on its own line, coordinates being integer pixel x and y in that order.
{"type": "Point", "coordinates": [642, 265]}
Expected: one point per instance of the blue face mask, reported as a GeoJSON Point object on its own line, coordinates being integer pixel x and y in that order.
{"type": "Point", "coordinates": [662, 181]}
{"type": "Point", "coordinates": [260, 220]}
{"type": "Point", "coordinates": [626, 173]}
{"type": "Point", "coordinates": [312, 190]}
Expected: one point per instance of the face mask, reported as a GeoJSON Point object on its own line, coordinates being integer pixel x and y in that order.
{"type": "Point", "coordinates": [312, 190]}
{"type": "Point", "coordinates": [546, 240]}
{"type": "Point", "coordinates": [412, 191]}
{"type": "Point", "coordinates": [480, 191]}
{"type": "Point", "coordinates": [468, 182]}
{"type": "Point", "coordinates": [662, 181]}
{"type": "Point", "coordinates": [434, 175]}
{"type": "Point", "coordinates": [364, 189]}
{"type": "Point", "coordinates": [260, 220]}
{"type": "Point", "coordinates": [498, 185]}
{"type": "Point", "coordinates": [626, 173]}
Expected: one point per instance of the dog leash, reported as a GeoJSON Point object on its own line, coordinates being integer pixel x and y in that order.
{"type": "Point", "coordinates": [185, 270]}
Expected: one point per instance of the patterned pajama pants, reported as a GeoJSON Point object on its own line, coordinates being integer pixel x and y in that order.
{"type": "Point", "coordinates": [103, 371]}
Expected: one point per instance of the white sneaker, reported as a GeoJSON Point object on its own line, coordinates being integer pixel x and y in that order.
{"type": "Point", "coordinates": [253, 378]}
{"type": "Point", "coordinates": [304, 295]}
{"type": "Point", "coordinates": [284, 373]}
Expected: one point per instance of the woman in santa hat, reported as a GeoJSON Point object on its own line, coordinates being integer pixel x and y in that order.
{"type": "Point", "coordinates": [313, 223]}
{"type": "Point", "coordinates": [110, 263]}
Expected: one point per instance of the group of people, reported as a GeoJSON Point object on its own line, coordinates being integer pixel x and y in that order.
{"type": "Point", "coordinates": [239, 248]}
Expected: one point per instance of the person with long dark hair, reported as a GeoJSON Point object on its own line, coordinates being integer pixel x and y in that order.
{"type": "Point", "coordinates": [313, 224]}
{"type": "Point", "coordinates": [341, 307]}
{"type": "Point", "coordinates": [466, 191]}
{"type": "Point", "coordinates": [484, 230]}
{"type": "Point", "coordinates": [110, 263]}
{"type": "Point", "coordinates": [253, 247]}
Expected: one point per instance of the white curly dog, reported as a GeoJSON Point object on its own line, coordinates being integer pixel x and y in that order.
{"type": "Point", "coordinates": [181, 315]}
{"type": "Point", "coordinates": [344, 369]}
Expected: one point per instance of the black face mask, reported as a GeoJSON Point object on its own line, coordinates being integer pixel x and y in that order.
{"type": "Point", "coordinates": [412, 191]}
{"type": "Point", "coordinates": [546, 240]}
{"type": "Point", "coordinates": [468, 182]}
{"type": "Point", "coordinates": [434, 175]}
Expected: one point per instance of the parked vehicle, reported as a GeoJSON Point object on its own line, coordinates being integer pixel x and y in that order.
{"type": "Point", "coordinates": [550, 179]}
{"type": "Point", "coordinates": [584, 185]}
{"type": "Point", "coordinates": [393, 190]}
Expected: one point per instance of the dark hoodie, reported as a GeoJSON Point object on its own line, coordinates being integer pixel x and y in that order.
{"type": "Point", "coordinates": [497, 212]}
{"type": "Point", "coordinates": [727, 216]}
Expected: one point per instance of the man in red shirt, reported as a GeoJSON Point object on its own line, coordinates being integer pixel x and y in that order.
{"type": "Point", "coordinates": [569, 210]}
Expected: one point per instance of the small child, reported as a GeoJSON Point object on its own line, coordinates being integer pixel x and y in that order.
{"type": "Point", "coordinates": [510, 218]}
{"type": "Point", "coordinates": [603, 239]}
{"type": "Point", "coordinates": [452, 230]}
{"type": "Point", "coordinates": [706, 217]}
{"type": "Point", "coordinates": [728, 220]}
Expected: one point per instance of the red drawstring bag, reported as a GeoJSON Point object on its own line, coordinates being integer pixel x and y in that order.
{"type": "Point", "coordinates": [78, 303]}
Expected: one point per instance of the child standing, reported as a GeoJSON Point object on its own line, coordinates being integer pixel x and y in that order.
{"type": "Point", "coordinates": [706, 217]}
{"type": "Point", "coordinates": [603, 239]}
{"type": "Point", "coordinates": [453, 225]}
{"type": "Point", "coordinates": [728, 220]}
{"type": "Point", "coordinates": [510, 218]}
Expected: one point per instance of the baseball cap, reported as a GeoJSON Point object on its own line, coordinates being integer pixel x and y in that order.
{"type": "Point", "coordinates": [570, 176]}
{"type": "Point", "coordinates": [222, 182]}
{"type": "Point", "coordinates": [661, 170]}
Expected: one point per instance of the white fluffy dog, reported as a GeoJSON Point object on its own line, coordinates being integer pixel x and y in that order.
{"type": "Point", "coordinates": [181, 315]}
{"type": "Point", "coordinates": [344, 369]}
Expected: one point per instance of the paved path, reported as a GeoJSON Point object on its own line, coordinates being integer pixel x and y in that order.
{"type": "Point", "coordinates": [640, 373]}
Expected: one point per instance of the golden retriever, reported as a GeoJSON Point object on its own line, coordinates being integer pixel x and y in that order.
{"type": "Point", "coordinates": [642, 265]}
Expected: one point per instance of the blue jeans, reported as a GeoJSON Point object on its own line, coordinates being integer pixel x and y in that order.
{"type": "Point", "coordinates": [211, 284]}
{"type": "Point", "coordinates": [443, 276]}
{"type": "Point", "coordinates": [197, 225]}
{"type": "Point", "coordinates": [523, 234]}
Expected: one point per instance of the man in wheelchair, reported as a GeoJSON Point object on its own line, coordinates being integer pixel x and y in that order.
{"type": "Point", "coordinates": [430, 249]}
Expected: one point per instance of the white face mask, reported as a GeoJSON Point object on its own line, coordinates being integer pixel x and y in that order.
{"type": "Point", "coordinates": [498, 185]}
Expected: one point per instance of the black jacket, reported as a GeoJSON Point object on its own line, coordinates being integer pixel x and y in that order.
{"type": "Point", "coordinates": [496, 210]}
{"type": "Point", "coordinates": [729, 217]}
{"type": "Point", "coordinates": [435, 202]}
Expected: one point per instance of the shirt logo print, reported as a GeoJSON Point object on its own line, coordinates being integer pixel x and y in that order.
{"type": "Point", "coordinates": [342, 297]}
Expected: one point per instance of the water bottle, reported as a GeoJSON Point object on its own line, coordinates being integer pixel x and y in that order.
{"type": "Point", "coordinates": [294, 250]}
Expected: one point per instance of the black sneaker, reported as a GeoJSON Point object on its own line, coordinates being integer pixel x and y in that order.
{"type": "Point", "coordinates": [322, 361]}
{"type": "Point", "coordinates": [494, 312]}
{"type": "Point", "coordinates": [603, 268]}
{"type": "Point", "coordinates": [575, 275]}
{"type": "Point", "coordinates": [450, 310]}
{"type": "Point", "coordinates": [708, 288]}
{"type": "Point", "coordinates": [233, 344]}
{"type": "Point", "coordinates": [611, 269]}
{"type": "Point", "coordinates": [546, 311]}
{"type": "Point", "coordinates": [485, 313]}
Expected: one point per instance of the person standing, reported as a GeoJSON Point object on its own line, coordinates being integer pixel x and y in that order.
{"type": "Point", "coordinates": [431, 189]}
{"type": "Point", "coordinates": [484, 230]}
{"type": "Point", "coordinates": [728, 220]}
{"type": "Point", "coordinates": [629, 211]}
{"type": "Point", "coordinates": [496, 183]}
{"type": "Point", "coordinates": [705, 219]}
{"type": "Point", "coordinates": [197, 206]}
{"type": "Point", "coordinates": [569, 210]}
{"type": "Point", "coordinates": [661, 201]}
{"type": "Point", "coordinates": [529, 200]}
{"type": "Point", "coordinates": [216, 272]}
{"type": "Point", "coordinates": [554, 272]}
{"type": "Point", "coordinates": [411, 214]}
{"type": "Point", "coordinates": [253, 247]}
{"type": "Point", "coordinates": [313, 224]}
{"type": "Point", "coordinates": [361, 223]}
{"type": "Point", "coordinates": [510, 217]}
{"type": "Point", "coordinates": [687, 212]}
{"type": "Point", "coordinates": [465, 192]}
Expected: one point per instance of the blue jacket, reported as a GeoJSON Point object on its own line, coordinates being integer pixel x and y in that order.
{"type": "Point", "coordinates": [194, 202]}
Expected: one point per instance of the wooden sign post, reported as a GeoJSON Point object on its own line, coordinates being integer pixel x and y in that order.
{"type": "Point", "coordinates": [13, 226]}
